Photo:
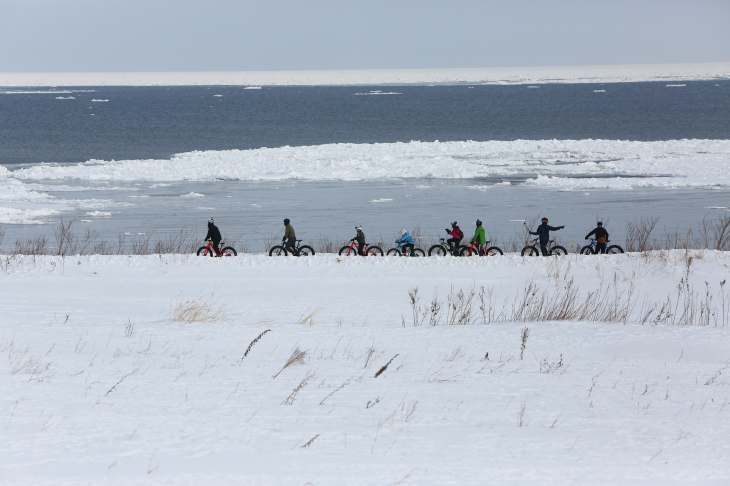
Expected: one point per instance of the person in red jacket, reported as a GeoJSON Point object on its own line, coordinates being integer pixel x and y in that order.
{"type": "Point", "coordinates": [456, 236]}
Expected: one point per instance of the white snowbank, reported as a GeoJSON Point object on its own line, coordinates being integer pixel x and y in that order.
{"type": "Point", "coordinates": [510, 75]}
{"type": "Point", "coordinates": [563, 164]}
{"type": "Point", "coordinates": [99, 386]}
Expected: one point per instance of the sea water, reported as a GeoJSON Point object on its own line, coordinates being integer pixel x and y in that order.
{"type": "Point", "coordinates": [329, 158]}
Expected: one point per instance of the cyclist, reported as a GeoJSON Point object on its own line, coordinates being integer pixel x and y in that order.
{"type": "Point", "coordinates": [601, 237]}
{"type": "Point", "coordinates": [360, 237]}
{"type": "Point", "coordinates": [480, 237]}
{"type": "Point", "coordinates": [407, 241]}
{"type": "Point", "coordinates": [290, 238]}
{"type": "Point", "coordinates": [543, 231]}
{"type": "Point", "coordinates": [214, 235]}
{"type": "Point", "coordinates": [456, 236]}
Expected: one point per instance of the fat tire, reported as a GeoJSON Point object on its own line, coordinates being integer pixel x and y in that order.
{"type": "Point", "coordinates": [373, 251]}
{"type": "Point", "coordinates": [419, 252]}
{"type": "Point", "coordinates": [229, 251]}
{"type": "Point", "coordinates": [614, 249]}
{"type": "Point", "coordinates": [436, 250]}
{"type": "Point", "coordinates": [586, 250]}
{"type": "Point", "coordinates": [530, 251]}
{"type": "Point", "coordinates": [278, 251]}
{"type": "Point", "coordinates": [493, 251]}
{"type": "Point", "coordinates": [345, 249]}
{"type": "Point", "coordinates": [201, 251]}
{"type": "Point", "coordinates": [394, 252]}
{"type": "Point", "coordinates": [305, 251]}
{"type": "Point", "coordinates": [465, 252]}
{"type": "Point", "coordinates": [558, 251]}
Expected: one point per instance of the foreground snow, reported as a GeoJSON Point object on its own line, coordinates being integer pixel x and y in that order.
{"type": "Point", "coordinates": [511, 75]}
{"type": "Point", "coordinates": [101, 386]}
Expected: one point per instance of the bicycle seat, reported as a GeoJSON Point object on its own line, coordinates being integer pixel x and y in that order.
{"type": "Point", "coordinates": [223, 243]}
{"type": "Point", "coordinates": [488, 241]}
{"type": "Point", "coordinates": [442, 239]}
{"type": "Point", "coordinates": [299, 241]}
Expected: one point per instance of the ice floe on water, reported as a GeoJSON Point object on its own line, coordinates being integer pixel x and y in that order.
{"type": "Point", "coordinates": [377, 93]}
{"type": "Point", "coordinates": [381, 200]}
{"type": "Point", "coordinates": [193, 194]}
{"type": "Point", "coordinates": [98, 214]}
{"type": "Point", "coordinates": [65, 98]}
{"type": "Point", "coordinates": [564, 164]}
{"type": "Point", "coordinates": [99, 101]}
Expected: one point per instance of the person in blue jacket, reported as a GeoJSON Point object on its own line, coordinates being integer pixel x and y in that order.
{"type": "Point", "coordinates": [543, 231]}
{"type": "Point", "coordinates": [407, 242]}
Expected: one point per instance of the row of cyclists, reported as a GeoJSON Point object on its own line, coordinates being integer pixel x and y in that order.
{"type": "Point", "coordinates": [408, 244]}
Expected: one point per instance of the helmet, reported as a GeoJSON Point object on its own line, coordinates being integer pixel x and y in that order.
{"type": "Point", "coordinates": [599, 223]}
{"type": "Point", "coordinates": [479, 223]}
{"type": "Point", "coordinates": [286, 221]}
{"type": "Point", "coordinates": [358, 227]}
{"type": "Point", "coordinates": [210, 221]}
{"type": "Point", "coordinates": [403, 231]}
{"type": "Point", "coordinates": [544, 220]}
{"type": "Point", "coordinates": [453, 223]}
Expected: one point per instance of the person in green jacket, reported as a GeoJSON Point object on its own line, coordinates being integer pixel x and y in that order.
{"type": "Point", "coordinates": [290, 238]}
{"type": "Point", "coordinates": [480, 237]}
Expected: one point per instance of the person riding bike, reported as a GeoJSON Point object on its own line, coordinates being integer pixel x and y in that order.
{"type": "Point", "coordinates": [601, 237]}
{"type": "Point", "coordinates": [456, 236]}
{"type": "Point", "coordinates": [214, 235]}
{"type": "Point", "coordinates": [360, 237]}
{"type": "Point", "coordinates": [480, 237]}
{"type": "Point", "coordinates": [543, 231]}
{"type": "Point", "coordinates": [290, 238]}
{"type": "Point", "coordinates": [407, 242]}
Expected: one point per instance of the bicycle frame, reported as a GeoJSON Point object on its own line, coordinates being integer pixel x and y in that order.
{"type": "Point", "coordinates": [214, 251]}
{"type": "Point", "coordinates": [354, 248]}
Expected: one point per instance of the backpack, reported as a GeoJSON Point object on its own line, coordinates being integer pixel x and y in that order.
{"type": "Point", "coordinates": [601, 240]}
{"type": "Point", "coordinates": [461, 235]}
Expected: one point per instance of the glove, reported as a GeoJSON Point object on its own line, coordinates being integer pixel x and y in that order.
{"type": "Point", "coordinates": [446, 230]}
{"type": "Point", "coordinates": [562, 227]}
{"type": "Point", "coordinates": [352, 239]}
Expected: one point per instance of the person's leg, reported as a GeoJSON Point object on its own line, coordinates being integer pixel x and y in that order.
{"type": "Point", "coordinates": [601, 248]}
{"type": "Point", "coordinates": [408, 249]}
{"type": "Point", "coordinates": [454, 242]}
{"type": "Point", "coordinates": [360, 248]}
{"type": "Point", "coordinates": [217, 247]}
{"type": "Point", "coordinates": [543, 249]}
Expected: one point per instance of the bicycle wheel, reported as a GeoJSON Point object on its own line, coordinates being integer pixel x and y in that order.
{"type": "Point", "coordinates": [418, 252]}
{"type": "Point", "coordinates": [461, 250]}
{"type": "Point", "coordinates": [466, 251]}
{"type": "Point", "coordinates": [228, 251]}
{"type": "Point", "coordinates": [530, 251]}
{"type": "Point", "coordinates": [393, 252]}
{"type": "Point", "coordinates": [558, 251]}
{"type": "Point", "coordinates": [305, 251]}
{"type": "Point", "coordinates": [614, 250]}
{"type": "Point", "coordinates": [436, 250]}
{"type": "Point", "coordinates": [493, 251]}
{"type": "Point", "coordinates": [201, 251]}
{"type": "Point", "coordinates": [374, 251]}
{"type": "Point", "coordinates": [278, 251]}
{"type": "Point", "coordinates": [346, 251]}
{"type": "Point", "coordinates": [586, 250]}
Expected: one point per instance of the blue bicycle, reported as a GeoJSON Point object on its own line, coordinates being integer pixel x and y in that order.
{"type": "Point", "coordinates": [591, 249]}
{"type": "Point", "coordinates": [398, 251]}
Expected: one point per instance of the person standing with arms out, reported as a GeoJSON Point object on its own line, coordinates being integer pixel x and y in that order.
{"type": "Point", "coordinates": [480, 237]}
{"type": "Point", "coordinates": [601, 237]}
{"type": "Point", "coordinates": [456, 236]}
{"type": "Point", "coordinates": [543, 231]}
{"type": "Point", "coordinates": [360, 237]}
{"type": "Point", "coordinates": [290, 238]}
{"type": "Point", "coordinates": [214, 235]}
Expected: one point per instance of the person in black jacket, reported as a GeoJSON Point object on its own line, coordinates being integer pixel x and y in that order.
{"type": "Point", "coordinates": [543, 231]}
{"type": "Point", "coordinates": [214, 235]}
{"type": "Point", "coordinates": [360, 240]}
{"type": "Point", "coordinates": [601, 237]}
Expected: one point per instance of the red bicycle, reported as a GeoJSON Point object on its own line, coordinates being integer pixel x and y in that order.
{"type": "Point", "coordinates": [473, 250]}
{"type": "Point", "coordinates": [211, 251]}
{"type": "Point", "coordinates": [351, 250]}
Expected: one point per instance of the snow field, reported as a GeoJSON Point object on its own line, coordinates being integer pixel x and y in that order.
{"type": "Point", "coordinates": [100, 386]}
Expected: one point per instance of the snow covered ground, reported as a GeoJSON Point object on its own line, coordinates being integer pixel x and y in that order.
{"type": "Point", "coordinates": [511, 75]}
{"type": "Point", "coordinates": [101, 385]}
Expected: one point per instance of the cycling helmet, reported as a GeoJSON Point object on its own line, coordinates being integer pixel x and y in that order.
{"type": "Point", "coordinates": [599, 223]}
{"type": "Point", "coordinates": [403, 231]}
{"type": "Point", "coordinates": [286, 221]}
{"type": "Point", "coordinates": [358, 228]}
{"type": "Point", "coordinates": [210, 221]}
{"type": "Point", "coordinates": [453, 223]}
{"type": "Point", "coordinates": [479, 223]}
{"type": "Point", "coordinates": [544, 220]}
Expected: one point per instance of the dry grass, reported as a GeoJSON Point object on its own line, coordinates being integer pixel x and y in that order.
{"type": "Point", "coordinates": [200, 310]}
{"type": "Point", "coordinates": [297, 358]}
{"type": "Point", "coordinates": [307, 317]}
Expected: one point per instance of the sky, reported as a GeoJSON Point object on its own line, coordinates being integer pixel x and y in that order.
{"type": "Point", "coordinates": [239, 35]}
